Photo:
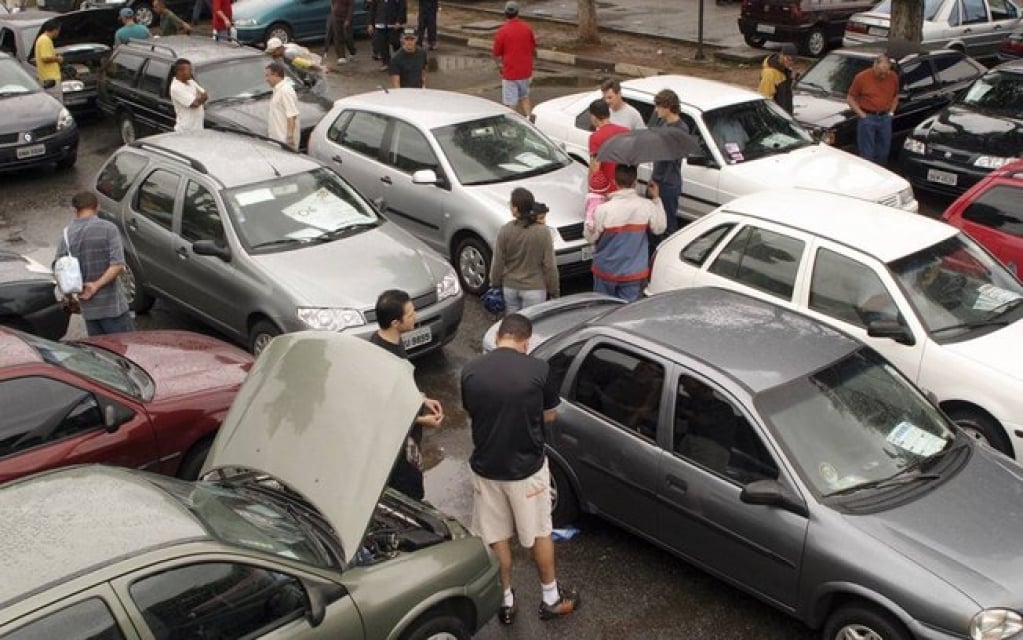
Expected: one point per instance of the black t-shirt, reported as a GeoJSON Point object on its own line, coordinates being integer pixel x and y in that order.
{"type": "Point", "coordinates": [405, 477]}
{"type": "Point", "coordinates": [506, 393]}
{"type": "Point", "coordinates": [409, 68]}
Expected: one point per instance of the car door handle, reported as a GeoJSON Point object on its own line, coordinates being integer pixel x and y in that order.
{"type": "Point", "coordinates": [182, 252]}
{"type": "Point", "coordinates": [676, 482]}
{"type": "Point", "coordinates": [997, 27]}
{"type": "Point", "coordinates": [386, 179]}
{"type": "Point", "coordinates": [133, 224]}
{"type": "Point", "coordinates": [337, 159]}
{"type": "Point", "coordinates": [967, 30]}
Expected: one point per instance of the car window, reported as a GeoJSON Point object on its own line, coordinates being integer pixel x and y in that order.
{"type": "Point", "coordinates": [365, 133]}
{"type": "Point", "coordinates": [338, 126]}
{"type": "Point", "coordinates": [646, 110]}
{"type": "Point", "coordinates": [40, 410]}
{"type": "Point", "coordinates": [623, 387]}
{"type": "Point", "coordinates": [954, 15]}
{"type": "Point", "coordinates": [754, 129]}
{"type": "Point", "coordinates": [217, 600]}
{"type": "Point", "coordinates": [998, 208]}
{"type": "Point", "coordinates": [87, 620]}
{"type": "Point", "coordinates": [916, 77]}
{"type": "Point", "coordinates": [762, 259]}
{"type": "Point", "coordinates": [155, 198]}
{"type": "Point", "coordinates": [560, 363]}
{"type": "Point", "coordinates": [8, 43]}
{"type": "Point", "coordinates": [123, 68]}
{"type": "Point", "coordinates": [582, 121]}
{"type": "Point", "coordinates": [697, 251]}
{"type": "Point", "coordinates": [1002, 10]}
{"type": "Point", "coordinates": [710, 431]}
{"type": "Point", "coordinates": [410, 151]}
{"type": "Point", "coordinates": [955, 68]}
{"type": "Point", "coordinates": [118, 174]}
{"type": "Point", "coordinates": [154, 78]}
{"type": "Point", "coordinates": [849, 290]}
{"type": "Point", "coordinates": [834, 73]}
{"type": "Point", "coordinates": [999, 92]}
{"type": "Point", "coordinates": [974, 11]}
{"type": "Point", "coordinates": [200, 217]}
{"type": "Point", "coordinates": [239, 78]}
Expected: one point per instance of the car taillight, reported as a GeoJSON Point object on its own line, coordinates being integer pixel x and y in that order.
{"type": "Point", "coordinates": [856, 27]}
{"type": "Point", "coordinates": [1012, 44]}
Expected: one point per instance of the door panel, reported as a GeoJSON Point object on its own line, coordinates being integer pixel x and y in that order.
{"type": "Point", "coordinates": [420, 207]}
{"type": "Point", "coordinates": [148, 225]}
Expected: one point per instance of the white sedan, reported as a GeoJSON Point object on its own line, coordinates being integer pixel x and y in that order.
{"type": "Point", "coordinates": [927, 297]}
{"type": "Point", "coordinates": [749, 144]}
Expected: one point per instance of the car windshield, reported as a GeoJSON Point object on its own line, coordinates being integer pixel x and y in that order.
{"type": "Point", "coordinates": [313, 206]}
{"type": "Point", "coordinates": [238, 79]}
{"type": "Point", "coordinates": [956, 287]}
{"type": "Point", "coordinates": [857, 422]}
{"type": "Point", "coordinates": [998, 92]}
{"type": "Point", "coordinates": [834, 73]}
{"type": "Point", "coordinates": [754, 129]}
{"type": "Point", "coordinates": [498, 149]}
{"type": "Point", "coordinates": [931, 8]}
{"type": "Point", "coordinates": [14, 81]}
{"type": "Point", "coordinates": [99, 365]}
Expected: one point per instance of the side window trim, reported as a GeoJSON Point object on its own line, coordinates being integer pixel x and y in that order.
{"type": "Point", "coordinates": [175, 212]}
{"type": "Point", "coordinates": [102, 594]}
{"type": "Point", "coordinates": [49, 429]}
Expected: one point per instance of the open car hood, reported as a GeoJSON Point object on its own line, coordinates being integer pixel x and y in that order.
{"type": "Point", "coordinates": [325, 414]}
{"type": "Point", "coordinates": [86, 26]}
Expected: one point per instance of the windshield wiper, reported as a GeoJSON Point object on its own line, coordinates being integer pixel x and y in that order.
{"type": "Point", "coordinates": [994, 321]}
{"type": "Point", "coordinates": [902, 477]}
{"type": "Point", "coordinates": [341, 232]}
{"type": "Point", "coordinates": [280, 242]}
{"type": "Point", "coordinates": [813, 85]}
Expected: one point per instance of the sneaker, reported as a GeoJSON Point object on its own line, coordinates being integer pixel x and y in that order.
{"type": "Point", "coordinates": [568, 601]}
{"type": "Point", "coordinates": [506, 615]}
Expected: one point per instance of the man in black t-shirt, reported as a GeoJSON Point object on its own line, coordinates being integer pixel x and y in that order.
{"type": "Point", "coordinates": [408, 66]}
{"type": "Point", "coordinates": [508, 398]}
{"type": "Point", "coordinates": [397, 315]}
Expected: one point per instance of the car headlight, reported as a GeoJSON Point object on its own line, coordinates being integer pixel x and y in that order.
{"type": "Point", "coordinates": [330, 319]}
{"type": "Point", "coordinates": [992, 162]}
{"type": "Point", "coordinates": [448, 286]}
{"type": "Point", "coordinates": [72, 85]}
{"type": "Point", "coordinates": [995, 624]}
{"type": "Point", "coordinates": [245, 22]}
{"type": "Point", "coordinates": [913, 145]}
{"type": "Point", "coordinates": [64, 119]}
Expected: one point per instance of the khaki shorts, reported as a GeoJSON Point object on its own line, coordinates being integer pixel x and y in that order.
{"type": "Point", "coordinates": [500, 509]}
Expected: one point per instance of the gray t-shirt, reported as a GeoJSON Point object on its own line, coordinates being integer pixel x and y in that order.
{"type": "Point", "coordinates": [628, 116]}
{"type": "Point", "coordinates": [97, 245]}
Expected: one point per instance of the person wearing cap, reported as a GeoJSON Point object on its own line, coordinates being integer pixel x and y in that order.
{"type": "Point", "coordinates": [408, 66]}
{"type": "Point", "coordinates": [306, 64]}
{"type": "Point", "coordinates": [282, 118]}
{"type": "Point", "coordinates": [776, 77]}
{"type": "Point", "coordinates": [874, 96]}
{"type": "Point", "coordinates": [48, 60]}
{"type": "Point", "coordinates": [339, 30]}
{"type": "Point", "coordinates": [524, 265]}
{"type": "Point", "coordinates": [515, 47]}
{"type": "Point", "coordinates": [170, 23]}
{"type": "Point", "coordinates": [387, 19]}
{"type": "Point", "coordinates": [129, 30]}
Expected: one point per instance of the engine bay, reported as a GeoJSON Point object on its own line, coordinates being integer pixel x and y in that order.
{"type": "Point", "coordinates": [396, 528]}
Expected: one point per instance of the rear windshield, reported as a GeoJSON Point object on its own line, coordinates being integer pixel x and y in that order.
{"type": "Point", "coordinates": [930, 8]}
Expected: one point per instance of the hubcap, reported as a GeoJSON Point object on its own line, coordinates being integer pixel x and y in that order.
{"type": "Point", "coordinates": [281, 34]}
{"type": "Point", "coordinates": [473, 267]}
{"type": "Point", "coordinates": [260, 343]}
{"type": "Point", "coordinates": [816, 43]}
{"type": "Point", "coordinates": [857, 632]}
{"type": "Point", "coordinates": [554, 494]}
{"type": "Point", "coordinates": [144, 16]}
{"type": "Point", "coordinates": [128, 283]}
{"type": "Point", "coordinates": [127, 131]}
{"type": "Point", "coordinates": [443, 635]}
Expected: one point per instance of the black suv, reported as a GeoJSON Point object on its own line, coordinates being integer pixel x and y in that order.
{"type": "Point", "coordinates": [134, 87]}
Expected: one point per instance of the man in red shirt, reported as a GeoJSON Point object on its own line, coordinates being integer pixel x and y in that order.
{"type": "Point", "coordinates": [603, 130]}
{"type": "Point", "coordinates": [515, 46]}
{"type": "Point", "coordinates": [222, 19]}
{"type": "Point", "coordinates": [874, 95]}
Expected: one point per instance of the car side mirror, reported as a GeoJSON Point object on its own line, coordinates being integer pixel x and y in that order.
{"type": "Point", "coordinates": [211, 248]}
{"type": "Point", "coordinates": [424, 176]}
{"type": "Point", "coordinates": [773, 494]}
{"type": "Point", "coordinates": [114, 415]}
{"type": "Point", "coordinates": [320, 595]}
{"type": "Point", "coordinates": [891, 329]}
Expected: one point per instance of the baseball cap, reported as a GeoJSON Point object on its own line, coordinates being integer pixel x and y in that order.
{"type": "Point", "coordinates": [787, 49]}
{"type": "Point", "coordinates": [273, 44]}
{"type": "Point", "coordinates": [409, 32]}
{"type": "Point", "coordinates": [126, 12]}
{"type": "Point", "coordinates": [511, 8]}
{"type": "Point", "coordinates": [540, 208]}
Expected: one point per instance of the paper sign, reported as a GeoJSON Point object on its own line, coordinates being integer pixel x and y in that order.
{"type": "Point", "coordinates": [990, 297]}
{"type": "Point", "coordinates": [245, 198]}
{"type": "Point", "coordinates": [913, 439]}
{"type": "Point", "coordinates": [323, 210]}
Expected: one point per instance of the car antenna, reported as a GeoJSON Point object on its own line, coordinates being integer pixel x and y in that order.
{"type": "Point", "coordinates": [382, 88]}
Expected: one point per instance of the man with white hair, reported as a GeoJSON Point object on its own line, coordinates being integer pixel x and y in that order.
{"type": "Point", "coordinates": [307, 64]}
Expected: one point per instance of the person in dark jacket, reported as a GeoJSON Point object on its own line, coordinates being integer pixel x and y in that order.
{"type": "Point", "coordinates": [339, 31]}
{"type": "Point", "coordinates": [427, 26]}
{"type": "Point", "coordinates": [387, 19]}
{"type": "Point", "coordinates": [776, 77]}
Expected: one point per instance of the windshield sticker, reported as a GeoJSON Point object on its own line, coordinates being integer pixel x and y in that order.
{"type": "Point", "coordinates": [828, 472]}
{"type": "Point", "coordinates": [530, 159]}
{"type": "Point", "coordinates": [734, 151]}
{"type": "Point", "coordinates": [246, 198]}
{"type": "Point", "coordinates": [913, 439]}
{"type": "Point", "coordinates": [323, 210]}
{"type": "Point", "coordinates": [990, 297]}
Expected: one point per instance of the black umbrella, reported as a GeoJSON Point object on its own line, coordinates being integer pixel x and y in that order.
{"type": "Point", "coordinates": [648, 145]}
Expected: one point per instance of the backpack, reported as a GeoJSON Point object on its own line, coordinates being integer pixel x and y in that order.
{"type": "Point", "coordinates": [67, 271]}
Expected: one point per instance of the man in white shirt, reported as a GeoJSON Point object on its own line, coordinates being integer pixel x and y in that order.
{"type": "Point", "coordinates": [283, 116]}
{"type": "Point", "coordinates": [622, 113]}
{"type": "Point", "coordinates": [188, 98]}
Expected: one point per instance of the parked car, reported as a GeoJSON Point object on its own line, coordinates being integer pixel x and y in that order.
{"type": "Point", "coordinates": [36, 128]}
{"type": "Point", "coordinates": [289, 534]}
{"type": "Point", "coordinates": [84, 42]}
{"type": "Point", "coordinates": [786, 458]}
{"type": "Point", "coordinates": [1011, 48]}
{"type": "Point", "coordinates": [257, 240]}
{"type": "Point", "coordinates": [812, 26]}
{"type": "Point", "coordinates": [135, 87]}
{"type": "Point", "coordinates": [143, 9]}
{"type": "Point", "coordinates": [928, 81]}
{"type": "Point", "coordinates": [259, 20]}
{"type": "Point", "coordinates": [444, 164]}
{"type": "Point", "coordinates": [974, 27]}
{"type": "Point", "coordinates": [981, 130]}
{"type": "Point", "coordinates": [927, 297]}
{"type": "Point", "coordinates": [27, 299]}
{"type": "Point", "coordinates": [748, 144]}
{"type": "Point", "coordinates": [991, 213]}
{"type": "Point", "coordinates": [146, 400]}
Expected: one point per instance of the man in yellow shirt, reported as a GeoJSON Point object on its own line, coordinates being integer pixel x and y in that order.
{"type": "Point", "coordinates": [48, 61]}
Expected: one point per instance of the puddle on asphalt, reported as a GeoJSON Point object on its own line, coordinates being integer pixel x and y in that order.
{"type": "Point", "coordinates": [456, 64]}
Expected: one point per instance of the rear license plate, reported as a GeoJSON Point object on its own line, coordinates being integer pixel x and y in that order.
{"type": "Point", "coordinates": [31, 151]}
{"type": "Point", "coordinates": [877, 31]}
{"type": "Point", "coordinates": [587, 253]}
{"type": "Point", "coordinates": [942, 177]}
{"type": "Point", "coordinates": [417, 337]}
{"type": "Point", "coordinates": [765, 28]}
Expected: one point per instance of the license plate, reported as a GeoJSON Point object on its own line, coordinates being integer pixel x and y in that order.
{"type": "Point", "coordinates": [417, 337]}
{"type": "Point", "coordinates": [587, 253]}
{"type": "Point", "coordinates": [31, 151]}
{"type": "Point", "coordinates": [942, 177]}
{"type": "Point", "coordinates": [877, 31]}
{"type": "Point", "coordinates": [765, 28]}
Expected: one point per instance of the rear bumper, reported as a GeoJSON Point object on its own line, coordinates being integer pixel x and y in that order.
{"type": "Point", "coordinates": [62, 145]}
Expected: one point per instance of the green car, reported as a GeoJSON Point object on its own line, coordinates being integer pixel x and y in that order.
{"type": "Point", "coordinates": [289, 533]}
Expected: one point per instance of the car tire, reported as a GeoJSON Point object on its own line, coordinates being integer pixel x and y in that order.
{"type": "Point", "coordinates": [194, 459]}
{"type": "Point", "coordinates": [564, 502]}
{"type": "Point", "coordinates": [139, 300]}
{"type": "Point", "coordinates": [262, 333]}
{"type": "Point", "coordinates": [68, 161]}
{"type": "Point", "coordinates": [144, 14]}
{"type": "Point", "coordinates": [278, 30]}
{"type": "Point", "coordinates": [126, 127]}
{"type": "Point", "coordinates": [815, 44]}
{"type": "Point", "coordinates": [754, 41]}
{"type": "Point", "coordinates": [439, 627]}
{"type": "Point", "coordinates": [981, 427]}
{"type": "Point", "coordinates": [863, 622]}
{"type": "Point", "coordinates": [472, 262]}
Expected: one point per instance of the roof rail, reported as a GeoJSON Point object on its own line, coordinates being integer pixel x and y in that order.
{"type": "Point", "coordinates": [177, 155]}
{"type": "Point", "coordinates": [152, 46]}
{"type": "Point", "coordinates": [251, 134]}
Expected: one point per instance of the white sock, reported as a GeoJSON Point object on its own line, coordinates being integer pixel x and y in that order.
{"type": "Point", "coordinates": [550, 593]}
{"type": "Point", "coordinates": [509, 598]}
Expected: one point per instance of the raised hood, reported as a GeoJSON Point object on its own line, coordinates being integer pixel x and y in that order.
{"type": "Point", "coordinates": [325, 414]}
{"type": "Point", "coordinates": [88, 26]}
{"type": "Point", "coordinates": [971, 131]}
{"type": "Point", "coordinates": [998, 350]}
{"type": "Point", "coordinates": [563, 191]}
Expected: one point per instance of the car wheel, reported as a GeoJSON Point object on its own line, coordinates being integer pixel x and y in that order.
{"type": "Point", "coordinates": [143, 13]}
{"type": "Point", "coordinates": [126, 125]}
{"type": "Point", "coordinates": [134, 290]}
{"type": "Point", "coordinates": [862, 622]}
{"type": "Point", "coordinates": [981, 428]}
{"type": "Point", "coordinates": [441, 627]}
{"type": "Point", "coordinates": [564, 503]}
{"type": "Point", "coordinates": [68, 161]}
{"type": "Point", "coordinates": [192, 464]}
{"type": "Point", "coordinates": [815, 43]}
{"type": "Point", "coordinates": [755, 41]}
{"type": "Point", "coordinates": [278, 30]}
{"type": "Point", "coordinates": [472, 260]}
{"type": "Point", "coordinates": [262, 333]}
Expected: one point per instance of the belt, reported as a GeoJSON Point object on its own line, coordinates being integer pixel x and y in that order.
{"type": "Point", "coordinates": [877, 113]}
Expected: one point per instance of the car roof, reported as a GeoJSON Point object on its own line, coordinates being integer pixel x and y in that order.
{"type": "Point", "coordinates": [14, 351]}
{"type": "Point", "coordinates": [429, 107]}
{"type": "Point", "coordinates": [883, 232]}
{"type": "Point", "coordinates": [197, 50]}
{"type": "Point", "coordinates": [698, 92]}
{"type": "Point", "coordinates": [756, 343]}
{"type": "Point", "coordinates": [62, 523]}
{"type": "Point", "coordinates": [1015, 66]}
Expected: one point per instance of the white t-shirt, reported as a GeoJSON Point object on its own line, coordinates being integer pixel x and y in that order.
{"type": "Point", "coordinates": [283, 105]}
{"type": "Point", "coordinates": [183, 94]}
{"type": "Point", "coordinates": [628, 116]}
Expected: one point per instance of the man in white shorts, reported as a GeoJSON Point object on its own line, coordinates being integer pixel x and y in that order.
{"type": "Point", "coordinates": [508, 398]}
{"type": "Point", "coordinates": [515, 47]}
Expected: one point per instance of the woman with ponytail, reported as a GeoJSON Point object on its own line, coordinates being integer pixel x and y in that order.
{"type": "Point", "coordinates": [524, 265]}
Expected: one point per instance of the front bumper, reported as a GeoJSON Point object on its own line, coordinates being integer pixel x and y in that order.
{"type": "Point", "coordinates": [917, 168]}
{"type": "Point", "coordinates": [79, 101]}
{"type": "Point", "coordinates": [60, 146]}
{"type": "Point", "coordinates": [252, 35]}
{"type": "Point", "coordinates": [575, 258]}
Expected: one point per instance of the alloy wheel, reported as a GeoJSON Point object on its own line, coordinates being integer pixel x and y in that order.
{"type": "Point", "coordinates": [443, 635]}
{"type": "Point", "coordinates": [857, 632]}
{"type": "Point", "coordinates": [472, 266]}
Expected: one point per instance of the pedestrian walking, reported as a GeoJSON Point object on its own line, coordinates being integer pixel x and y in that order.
{"type": "Point", "coordinates": [621, 259]}
{"type": "Point", "coordinates": [306, 64]}
{"type": "Point", "coordinates": [777, 76]}
{"type": "Point", "coordinates": [603, 130]}
{"type": "Point", "coordinates": [667, 174]}
{"type": "Point", "coordinates": [408, 66]}
{"type": "Point", "coordinates": [524, 265]}
{"type": "Point", "coordinates": [188, 98]}
{"type": "Point", "coordinates": [426, 28]}
{"type": "Point", "coordinates": [396, 315]}
{"type": "Point", "coordinates": [514, 48]}
{"type": "Point", "coordinates": [282, 119]}
{"type": "Point", "coordinates": [339, 30]}
{"type": "Point", "coordinates": [129, 29]}
{"type": "Point", "coordinates": [874, 96]}
{"type": "Point", "coordinates": [170, 23]}
{"type": "Point", "coordinates": [48, 61]}
{"type": "Point", "coordinates": [96, 244]}
{"type": "Point", "coordinates": [622, 113]}
{"type": "Point", "coordinates": [223, 20]}
{"type": "Point", "coordinates": [387, 19]}
{"type": "Point", "coordinates": [197, 10]}
{"type": "Point", "coordinates": [509, 399]}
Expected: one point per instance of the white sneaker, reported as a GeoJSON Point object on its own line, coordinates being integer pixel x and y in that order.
{"type": "Point", "coordinates": [342, 60]}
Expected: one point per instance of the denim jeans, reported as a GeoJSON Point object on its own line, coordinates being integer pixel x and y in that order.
{"type": "Point", "coordinates": [118, 324]}
{"type": "Point", "coordinates": [627, 291]}
{"type": "Point", "coordinates": [874, 138]}
{"type": "Point", "coordinates": [518, 299]}
{"type": "Point", "coordinates": [670, 194]}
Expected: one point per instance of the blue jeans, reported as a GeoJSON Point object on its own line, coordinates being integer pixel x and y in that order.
{"type": "Point", "coordinates": [118, 324]}
{"type": "Point", "coordinates": [874, 138]}
{"type": "Point", "coordinates": [670, 194]}
{"type": "Point", "coordinates": [627, 291]}
{"type": "Point", "coordinates": [518, 299]}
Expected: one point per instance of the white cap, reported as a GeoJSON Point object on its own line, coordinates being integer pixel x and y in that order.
{"type": "Point", "coordinates": [273, 44]}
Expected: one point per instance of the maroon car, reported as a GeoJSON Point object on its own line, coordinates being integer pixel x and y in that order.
{"type": "Point", "coordinates": [150, 400]}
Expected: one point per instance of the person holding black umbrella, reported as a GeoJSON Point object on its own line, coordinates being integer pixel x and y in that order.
{"type": "Point", "coordinates": [667, 174]}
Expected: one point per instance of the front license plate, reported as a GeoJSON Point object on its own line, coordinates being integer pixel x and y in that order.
{"type": "Point", "coordinates": [942, 177]}
{"type": "Point", "coordinates": [417, 337]}
{"type": "Point", "coordinates": [765, 28]}
{"type": "Point", "coordinates": [587, 253]}
{"type": "Point", "coordinates": [877, 31]}
{"type": "Point", "coordinates": [32, 151]}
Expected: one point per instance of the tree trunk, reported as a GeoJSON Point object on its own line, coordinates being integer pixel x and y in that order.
{"type": "Point", "coordinates": [588, 21]}
{"type": "Point", "coordinates": [907, 20]}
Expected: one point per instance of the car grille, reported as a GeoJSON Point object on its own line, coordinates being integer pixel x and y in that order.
{"type": "Point", "coordinates": [571, 232]}
{"type": "Point", "coordinates": [948, 154]}
{"type": "Point", "coordinates": [419, 302]}
{"type": "Point", "coordinates": [37, 134]}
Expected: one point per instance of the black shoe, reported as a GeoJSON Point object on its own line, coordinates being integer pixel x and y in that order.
{"type": "Point", "coordinates": [506, 615]}
{"type": "Point", "coordinates": [568, 601]}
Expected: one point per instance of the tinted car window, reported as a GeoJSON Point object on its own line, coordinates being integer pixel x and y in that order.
{"type": "Point", "coordinates": [916, 77]}
{"type": "Point", "coordinates": [997, 92]}
{"type": "Point", "coordinates": [217, 600]}
{"type": "Point", "coordinates": [646, 110]}
{"type": "Point", "coordinates": [123, 68]}
{"type": "Point", "coordinates": [1002, 10]}
{"type": "Point", "coordinates": [365, 133]}
{"type": "Point", "coordinates": [338, 126]}
{"type": "Point", "coordinates": [8, 43]}
{"type": "Point", "coordinates": [697, 251]}
{"type": "Point", "coordinates": [957, 68]}
{"type": "Point", "coordinates": [998, 208]}
{"type": "Point", "coordinates": [154, 78]}
{"type": "Point", "coordinates": [200, 217]}
{"type": "Point", "coordinates": [40, 410]}
{"type": "Point", "coordinates": [155, 198]}
{"type": "Point", "coordinates": [849, 290]}
{"type": "Point", "coordinates": [560, 363]}
{"type": "Point", "coordinates": [761, 259]}
{"type": "Point", "coordinates": [974, 11]}
{"type": "Point", "coordinates": [119, 173]}
{"type": "Point", "coordinates": [410, 151]}
{"type": "Point", "coordinates": [623, 387]}
{"type": "Point", "coordinates": [239, 78]}
{"type": "Point", "coordinates": [88, 620]}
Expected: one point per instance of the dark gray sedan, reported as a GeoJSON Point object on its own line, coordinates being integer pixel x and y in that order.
{"type": "Point", "coordinates": [786, 458]}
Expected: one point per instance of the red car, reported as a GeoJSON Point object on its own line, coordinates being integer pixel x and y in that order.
{"type": "Point", "coordinates": [150, 400]}
{"type": "Point", "coordinates": [992, 214]}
